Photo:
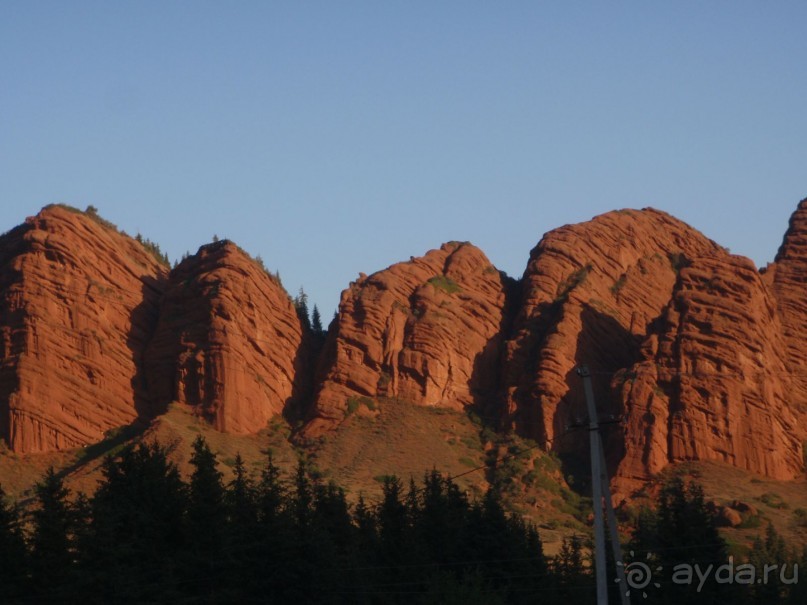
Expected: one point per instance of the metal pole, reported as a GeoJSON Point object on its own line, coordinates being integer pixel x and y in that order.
{"type": "Point", "coordinates": [613, 528]}
{"type": "Point", "coordinates": [600, 569]}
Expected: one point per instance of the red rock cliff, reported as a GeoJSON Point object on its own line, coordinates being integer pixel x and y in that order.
{"type": "Point", "coordinates": [78, 302]}
{"type": "Point", "coordinates": [702, 355]}
{"type": "Point", "coordinates": [428, 331]}
{"type": "Point", "coordinates": [590, 291]}
{"type": "Point", "coordinates": [714, 385]}
{"type": "Point", "coordinates": [229, 341]}
{"type": "Point", "coordinates": [787, 278]}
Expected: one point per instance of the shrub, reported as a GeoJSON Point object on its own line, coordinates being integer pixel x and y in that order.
{"type": "Point", "coordinates": [446, 284]}
{"type": "Point", "coordinates": [154, 249]}
{"type": "Point", "coordinates": [773, 500]}
{"type": "Point", "coordinates": [677, 261]}
{"type": "Point", "coordinates": [750, 522]}
{"type": "Point", "coordinates": [383, 380]}
{"type": "Point", "coordinates": [92, 212]}
{"type": "Point", "coordinates": [354, 402]}
{"type": "Point", "coordinates": [619, 284]}
{"type": "Point", "coordinates": [571, 282]}
{"type": "Point", "coordinates": [547, 462]}
{"type": "Point", "coordinates": [542, 481]}
{"type": "Point", "coordinates": [472, 443]}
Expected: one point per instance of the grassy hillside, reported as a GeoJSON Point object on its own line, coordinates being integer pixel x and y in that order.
{"type": "Point", "coordinates": [409, 441]}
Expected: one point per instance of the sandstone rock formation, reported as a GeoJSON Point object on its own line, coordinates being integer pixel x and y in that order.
{"type": "Point", "coordinates": [728, 517]}
{"type": "Point", "coordinates": [428, 331]}
{"type": "Point", "coordinates": [787, 278]}
{"type": "Point", "coordinates": [714, 385]}
{"type": "Point", "coordinates": [589, 294]}
{"type": "Point", "coordinates": [700, 355]}
{"type": "Point", "coordinates": [78, 302]}
{"type": "Point", "coordinates": [229, 341]}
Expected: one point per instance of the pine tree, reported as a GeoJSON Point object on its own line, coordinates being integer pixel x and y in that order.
{"type": "Point", "coordinates": [395, 544]}
{"type": "Point", "coordinates": [798, 591]}
{"type": "Point", "coordinates": [241, 546]}
{"type": "Point", "coordinates": [301, 305]}
{"type": "Point", "coordinates": [392, 518]}
{"type": "Point", "coordinates": [206, 488]}
{"type": "Point", "coordinates": [332, 514]}
{"type": "Point", "coordinates": [135, 539]}
{"type": "Point", "coordinates": [271, 492]}
{"type": "Point", "coordinates": [275, 540]}
{"type": "Point", "coordinates": [682, 531]}
{"type": "Point", "coordinates": [241, 498]}
{"type": "Point", "coordinates": [364, 572]}
{"type": "Point", "coordinates": [206, 521]}
{"type": "Point", "coordinates": [568, 563]}
{"type": "Point", "coordinates": [570, 571]}
{"type": "Point", "coordinates": [330, 550]}
{"type": "Point", "coordinates": [316, 322]}
{"type": "Point", "coordinates": [770, 551]}
{"type": "Point", "coordinates": [52, 554]}
{"type": "Point", "coordinates": [303, 495]}
{"type": "Point", "coordinates": [436, 524]}
{"type": "Point", "coordinates": [12, 550]}
{"type": "Point", "coordinates": [364, 522]}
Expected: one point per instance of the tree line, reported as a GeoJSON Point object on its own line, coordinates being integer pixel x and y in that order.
{"type": "Point", "coordinates": [148, 536]}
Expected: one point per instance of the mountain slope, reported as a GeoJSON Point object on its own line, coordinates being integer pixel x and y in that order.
{"type": "Point", "coordinates": [78, 303]}
{"type": "Point", "coordinates": [696, 354]}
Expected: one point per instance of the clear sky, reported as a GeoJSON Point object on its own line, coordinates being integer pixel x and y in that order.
{"type": "Point", "coordinates": [339, 137]}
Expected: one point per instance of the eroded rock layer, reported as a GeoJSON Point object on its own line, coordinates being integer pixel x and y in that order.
{"type": "Point", "coordinates": [589, 293]}
{"type": "Point", "coordinates": [229, 341]}
{"type": "Point", "coordinates": [78, 302]}
{"type": "Point", "coordinates": [714, 383]}
{"type": "Point", "coordinates": [787, 278]}
{"type": "Point", "coordinates": [428, 331]}
{"type": "Point", "coordinates": [700, 355]}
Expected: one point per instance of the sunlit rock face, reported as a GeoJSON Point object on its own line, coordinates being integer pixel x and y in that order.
{"type": "Point", "coordinates": [695, 354]}
{"type": "Point", "coordinates": [229, 342]}
{"type": "Point", "coordinates": [78, 303]}
{"type": "Point", "coordinates": [427, 331]}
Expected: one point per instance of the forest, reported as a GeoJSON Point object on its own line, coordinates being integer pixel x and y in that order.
{"type": "Point", "coordinates": [148, 536]}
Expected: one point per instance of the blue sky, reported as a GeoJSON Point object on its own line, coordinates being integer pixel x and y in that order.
{"type": "Point", "coordinates": [337, 137]}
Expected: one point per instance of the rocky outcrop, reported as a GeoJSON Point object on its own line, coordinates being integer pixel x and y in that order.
{"type": "Point", "coordinates": [714, 384]}
{"type": "Point", "coordinates": [787, 278]}
{"type": "Point", "coordinates": [229, 341]}
{"type": "Point", "coordinates": [78, 302]}
{"type": "Point", "coordinates": [589, 294]}
{"type": "Point", "coordinates": [699, 355]}
{"type": "Point", "coordinates": [428, 331]}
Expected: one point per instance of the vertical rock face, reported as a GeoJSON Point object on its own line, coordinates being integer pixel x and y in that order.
{"type": "Point", "coordinates": [787, 278]}
{"type": "Point", "coordinates": [589, 293]}
{"type": "Point", "coordinates": [229, 341]}
{"type": "Point", "coordinates": [714, 385]}
{"type": "Point", "coordinates": [78, 302]}
{"type": "Point", "coordinates": [702, 356]}
{"type": "Point", "coordinates": [428, 331]}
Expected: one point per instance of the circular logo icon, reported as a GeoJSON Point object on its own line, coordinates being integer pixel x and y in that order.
{"type": "Point", "coordinates": [638, 575]}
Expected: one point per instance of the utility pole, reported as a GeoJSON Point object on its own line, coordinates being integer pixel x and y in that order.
{"type": "Point", "coordinates": [624, 589]}
{"type": "Point", "coordinates": [601, 494]}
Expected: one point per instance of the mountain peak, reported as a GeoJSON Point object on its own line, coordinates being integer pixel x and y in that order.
{"type": "Point", "coordinates": [690, 345]}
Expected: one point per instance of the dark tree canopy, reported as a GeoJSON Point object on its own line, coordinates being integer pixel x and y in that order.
{"type": "Point", "coordinates": [147, 536]}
